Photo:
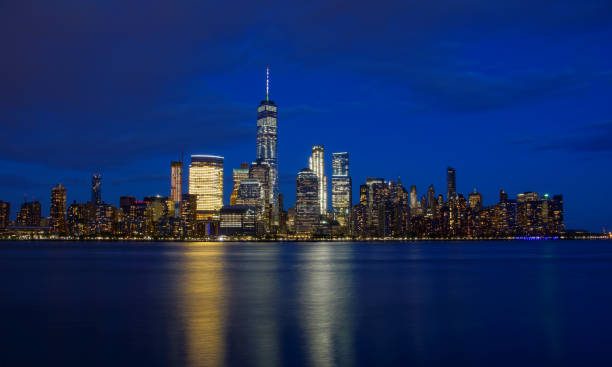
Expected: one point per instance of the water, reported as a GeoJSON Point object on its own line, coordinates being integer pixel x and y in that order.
{"type": "Point", "coordinates": [306, 304]}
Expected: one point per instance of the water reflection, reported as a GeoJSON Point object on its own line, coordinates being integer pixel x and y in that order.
{"type": "Point", "coordinates": [202, 305]}
{"type": "Point", "coordinates": [325, 296]}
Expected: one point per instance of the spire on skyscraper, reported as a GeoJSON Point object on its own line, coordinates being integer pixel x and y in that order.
{"type": "Point", "coordinates": [267, 83]}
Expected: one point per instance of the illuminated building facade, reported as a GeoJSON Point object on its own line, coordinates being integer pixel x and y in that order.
{"type": "Point", "coordinates": [316, 164]}
{"type": "Point", "coordinates": [57, 209]}
{"type": "Point", "coordinates": [260, 170]}
{"type": "Point", "coordinates": [251, 193]}
{"type": "Point", "coordinates": [5, 214]}
{"type": "Point", "coordinates": [189, 208]}
{"type": "Point", "coordinates": [475, 200]}
{"type": "Point", "coordinates": [206, 181]}
{"type": "Point", "coordinates": [238, 220]}
{"type": "Point", "coordinates": [96, 189]}
{"type": "Point", "coordinates": [307, 203]}
{"type": "Point", "coordinates": [342, 188]}
{"type": "Point", "coordinates": [176, 181]}
{"type": "Point", "coordinates": [30, 214]}
{"type": "Point", "coordinates": [267, 137]}
{"type": "Point", "coordinates": [239, 174]}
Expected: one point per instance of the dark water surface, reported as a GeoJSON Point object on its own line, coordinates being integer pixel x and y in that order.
{"type": "Point", "coordinates": [306, 304]}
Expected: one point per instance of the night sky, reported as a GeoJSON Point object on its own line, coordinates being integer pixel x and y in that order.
{"type": "Point", "coordinates": [512, 94]}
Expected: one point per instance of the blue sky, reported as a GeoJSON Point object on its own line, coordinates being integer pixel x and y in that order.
{"type": "Point", "coordinates": [513, 94]}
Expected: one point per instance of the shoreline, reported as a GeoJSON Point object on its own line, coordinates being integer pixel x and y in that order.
{"type": "Point", "coordinates": [247, 240]}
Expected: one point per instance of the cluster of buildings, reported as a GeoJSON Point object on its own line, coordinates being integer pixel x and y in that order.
{"type": "Point", "coordinates": [385, 208]}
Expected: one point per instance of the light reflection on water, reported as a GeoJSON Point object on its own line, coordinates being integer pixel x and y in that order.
{"type": "Point", "coordinates": [306, 304]}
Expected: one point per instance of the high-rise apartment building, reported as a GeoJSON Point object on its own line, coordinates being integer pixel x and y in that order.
{"type": "Point", "coordinates": [57, 210]}
{"type": "Point", "coordinates": [267, 137]}
{"type": "Point", "coordinates": [206, 181]}
{"type": "Point", "coordinates": [316, 164]}
{"type": "Point", "coordinates": [96, 189]}
{"type": "Point", "coordinates": [176, 181]}
{"type": "Point", "coordinates": [451, 184]}
{"type": "Point", "coordinates": [307, 204]}
{"type": "Point", "coordinates": [342, 188]}
{"type": "Point", "coordinates": [30, 214]}
{"type": "Point", "coordinates": [239, 174]}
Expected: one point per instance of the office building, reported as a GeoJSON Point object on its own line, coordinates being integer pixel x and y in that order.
{"type": "Point", "coordinates": [307, 203]}
{"type": "Point", "coordinates": [57, 209]}
{"type": "Point", "coordinates": [176, 181]}
{"type": "Point", "coordinates": [316, 164]}
{"type": "Point", "coordinates": [238, 220]}
{"type": "Point", "coordinates": [206, 181]}
{"type": "Point", "coordinates": [342, 188]}
{"type": "Point", "coordinates": [267, 137]}
{"type": "Point", "coordinates": [239, 174]}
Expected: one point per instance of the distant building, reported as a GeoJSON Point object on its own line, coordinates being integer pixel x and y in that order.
{"type": "Point", "coordinates": [96, 189]}
{"type": "Point", "coordinates": [307, 202]}
{"type": "Point", "coordinates": [176, 181]}
{"type": "Point", "coordinates": [451, 184]}
{"type": "Point", "coordinates": [431, 197]}
{"type": "Point", "coordinates": [57, 209]}
{"type": "Point", "coordinates": [413, 197]}
{"type": "Point", "coordinates": [475, 200]}
{"type": "Point", "coordinates": [30, 214]}
{"type": "Point", "coordinates": [5, 214]}
{"type": "Point", "coordinates": [342, 188]}
{"type": "Point", "coordinates": [206, 181]}
{"type": "Point", "coordinates": [316, 164]}
{"type": "Point", "coordinates": [239, 174]}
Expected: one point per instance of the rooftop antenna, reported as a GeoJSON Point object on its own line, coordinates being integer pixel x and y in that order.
{"type": "Point", "coordinates": [267, 83]}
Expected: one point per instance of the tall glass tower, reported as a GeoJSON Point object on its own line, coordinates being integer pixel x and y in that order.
{"type": "Point", "coordinates": [341, 188]}
{"type": "Point", "coordinates": [317, 165]}
{"type": "Point", "coordinates": [267, 137]}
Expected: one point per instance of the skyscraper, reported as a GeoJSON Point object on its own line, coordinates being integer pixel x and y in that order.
{"type": "Point", "coordinates": [431, 196]}
{"type": "Point", "coordinates": [414, 199]}
{"type": "Point", "coordinates": [57, 210]}
{"type": "Point", "coordinates": [267, 137]}
{"type": "Point", "coordinates": [239, 174]}
{"type": "Point", "coordinates": [96, 189]}
{"type": "Point", "coordinates": [176, 181]}
{"type": "Point", "coordinates": [307, 205]}
{"type": "Point", "coordinates": [5, 214]}
{"type": "Point", "coordinates": [206, 181]}
{"type": "Point", "coordinates": [475, 200]}
{"type": "Point", "coordinates": [342, 188]}
{"type": "Point", "coordinates": [316, 164]}
{"type": "Point", "coordinates": [451, 184]}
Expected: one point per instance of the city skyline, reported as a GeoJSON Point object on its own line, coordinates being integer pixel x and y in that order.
{"type": "Point", "coordinates": [494, 90]}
